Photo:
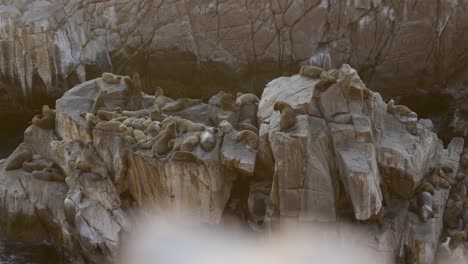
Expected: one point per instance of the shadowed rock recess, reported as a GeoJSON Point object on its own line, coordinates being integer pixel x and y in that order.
{"type": "Point", "coordinates": [345, 156]}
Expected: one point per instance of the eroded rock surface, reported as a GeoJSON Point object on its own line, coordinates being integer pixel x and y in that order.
{"type": "Point", "coordinates": [236, 44]}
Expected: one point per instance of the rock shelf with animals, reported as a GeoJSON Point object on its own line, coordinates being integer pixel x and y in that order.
{"type": "Point", "coordinates": [317, 147]}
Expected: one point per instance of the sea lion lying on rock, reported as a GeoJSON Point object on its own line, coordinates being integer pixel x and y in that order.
{"type": "Point", "coordinates": [37, 165]}
{"type": "Point", "coordinates": [310, 71]}
{"type": "Point", "coordinates": [249, 138]}
{"type": "Point", "coordinates": [46, 120]}
{"type": "Point", "coordinates": [49, 174]}
{"type": "Point", "coordinates": [208, 139]}
{"type": "Point", "coordinates": [180, 104]}
{"type": "Point", "coordinates": [246, 99]}
{"type": "Point", "coordinates": [18, 157]}
{"type": "Point", "coordinates": [326, 80]}
{"type": "Point", "coordinates": [186, 156]}
{"type": "Point", "coordinates": [111, 78]}
{"type": "Point", "coordinates": [111, 126]}
{"type": "Point", "coordinates": [228, 103]}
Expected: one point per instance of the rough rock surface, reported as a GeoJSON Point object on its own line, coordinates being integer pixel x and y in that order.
{"type": "Point", "coordinates": [237, 44]}
{"type": "Point", "coordinates": [350, 156]}
{"type": "Point", "coordinates": [104, 177]}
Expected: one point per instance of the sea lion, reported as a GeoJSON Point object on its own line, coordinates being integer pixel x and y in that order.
{"type": "Point", "coordinates": [153, 129]}
{"type": "Point", "coordinates": [111, 78]}
{"type": "Point", "coordinates": [161, 146]}
{"type": "Point", "coordinates": [246, 126]}
{"type": "Point", "coordinates": [288, 115]}
{"type": "Point", "coordinates": [137, 113]}
{"type": "Point", "coordinates": [425, 203]}
{"type": "Point", "coordinates": [457, 239]}
{"type": "Point", "coordinates": [49, 174]}
{"type": "Point", "coordinates": [453, 214]}
{"type": "Point", "coordinates": [183, 125]}
{"type": "Point", "coordinates": [208, 139]}
{"type": "Point", "coordinates": [46, 120]}
{"type": "Point", "coordinates": [139, 123]}
{"type": "Point", "coordinates": [120, 119]}
{"type": "Point", "coordinates": [159, 92]}
{"type": "Point", "coordinates": [180, 104]}
{"type": "Point", "coordinates": [162, 101]}
{"type": "Point", "coordinates": [98, 100]}
{"type": "Point", "coordinates": [22, 154]}
{"type": "Point", "coordinates": [190, 142]}
{"type": "Point", "coordinates": [111, 126]}
{"type": "Point", "coordinates": [89, 117]}
{"type": "Point", "coordinates": [106, 115]}
{"type": "Point", "coordinates": [225, 126]}
{"type": "Point", "coordinates": [447, 169]}
{"type": "Point", "coordinates": [310, 71]}
{"type": "Point", "coordinates": [326, 80]}
{"type": "Point", "coordinates": [36, 165]}
{"type": "Point", "coordinates": [186, 156]}
{"type": "Point", "coordinates": [398, 110]}
{"type": "Point", "coordinates": [228, 103]}
{"type": "Point", "coordinates": [249, 138]}
{"type": "Point", "coordinates": [156, 115]}
{"type": "Point", "coordinates": [425, 187]}
{"type": "Point", "coordinates": [246, 99]}
{"type": "Point", "coordinates": [132, 95]}
{"type": "Point", "coordinates": [138, 135]}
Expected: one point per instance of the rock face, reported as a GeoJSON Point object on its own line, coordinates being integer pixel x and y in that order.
{"type": "Point", "coordinates": [238, 45]}
{"type": "Point", "coordinates": [346, 156]}
{"type": "Point", "coordinates": [350, 155]}
{"type": "Point", "coordinates": [106, 172]}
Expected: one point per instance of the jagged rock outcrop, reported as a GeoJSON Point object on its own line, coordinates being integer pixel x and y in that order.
{"type": "Point", "coordinates": [48, 46]}
{"type": "Point", "coordinates": [352, 156]}
{"type": "Point", "coordinates": [99, 168]}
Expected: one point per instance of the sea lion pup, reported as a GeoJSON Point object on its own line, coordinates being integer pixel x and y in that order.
{"type": "Point", "coordinates": [161, 146]}
{"type": "Point", "coordinates": [425, 187]}
{"type": "Point", "coordinates": [310, 71]}
{"type": "Point", "coordinates": [106, 115]}
{"type": "Point", "coordinates": [245, 126]}
{"type": "Point", "coordinates": [46, 120]}
{"type": "Point", "coordinates": [399, 110]}
{"type": "Point", "coordinates": [49, 174]}
{"type": "Point", "coordinates": [90, 161]}
{"type": "Point", "coordinates": [457, 239]}
{"type": "Point", "coordinates": [18, 157]}
{"type": "Point", "coordinates": [225, 126]}
{"type": "Point", "coordinates": [208, 139]}
{"type": "Point", "coordinates": [153, 129]}
{"type": "Point", "coordinates": [190, 142]}
{"type": "Point", "coordinates": [138, 113]}
{"type": "Point", "coordinates": [228, 103]}
{"type": "Point", "coordinates": [90, 118]}
{"type": "Point", "coordinates": [326, 80]}
{"type": "Point", "coordinates": [159, 92]}
{"type": "Point", "coordinates": [249, 138]}
{"type": "Point", "coordinates": [111, 126]}
{"type": "Point", "coordinates": [288, 115]}
{"type": "Point", "coordinates": [36, 165]}
{"type": "Point", "coordinates": [186, 156]}
{"type": "Point", "coordinates": [138, 135]}
{"type": "Point", "coordinates": [245, 99]}
{"type": "Point", "coordinates": [452, 214]}
{"type": "Point", "coordinates": [111, 78]}
{"type": "Point", "coordinates": [98, 100]}
{"type": "Point", "coordinates": [425, 203]}
{"type": "Point", "coordinates": [180, 104]}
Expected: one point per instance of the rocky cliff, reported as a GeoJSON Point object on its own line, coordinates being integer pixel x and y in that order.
{"type": "Point", "coordinates": [397, 46]}
{"type": "Point", "coordinates": [319, 147]}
